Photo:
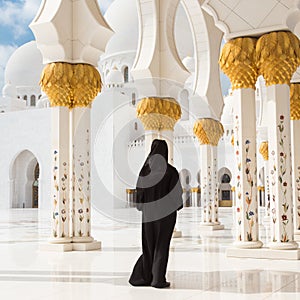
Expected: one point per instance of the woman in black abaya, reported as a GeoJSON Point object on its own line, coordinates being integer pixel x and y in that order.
{"type": "Point", "coordinates": [159, 196]}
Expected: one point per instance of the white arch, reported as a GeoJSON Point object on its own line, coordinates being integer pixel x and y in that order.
{"type": "Point", "coordinates": [21, 175]}
{"type": "Point", "coordinates": [207, 49]}
{"type": "Point", "coordinates": [157, 55]}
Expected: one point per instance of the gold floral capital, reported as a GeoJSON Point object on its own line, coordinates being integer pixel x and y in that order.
{"type": "Point", "coordinates": [295, 101]}
{"type": "Point", "coordinates": [277, 56]}
{"type": "Point", "coordinates": [264, 150]}
{"type": "Point", "coordinates": [237, 61]}
{"type": "Point", "coordinates": [70, 85]}
{"type": "Point", "coordinates": [158, 113]}
{"type": "Point", "coordinates": [208, 131]}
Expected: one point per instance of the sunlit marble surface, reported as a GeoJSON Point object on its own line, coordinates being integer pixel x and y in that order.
{"type": "Point", "coordinates": [198, 267]}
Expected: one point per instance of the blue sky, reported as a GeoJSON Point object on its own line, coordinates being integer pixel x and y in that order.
{"type": "Point", "coordinates": [16, 15]}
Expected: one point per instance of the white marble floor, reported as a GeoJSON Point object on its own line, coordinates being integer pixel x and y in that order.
{"type": "Point", "coordinates": [198, 267]}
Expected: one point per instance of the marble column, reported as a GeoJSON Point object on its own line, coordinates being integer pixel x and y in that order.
{"type": "Point", "coordinates": [60, 179]}
{"type": "Point", "coordinates": [195, 196]}
{"type": "Point", "coordinates": [277, 59]}
{"type": "Point", "coordinates": [81, 180]}
{"type": "Point", "coordinates": [238, 62]}
{"type": "Point", "coordinates": [209, 132]}
{"type": "Point", "coordinates": [71, 88]}
{"type": "Point", "coordinates": [295, 129]}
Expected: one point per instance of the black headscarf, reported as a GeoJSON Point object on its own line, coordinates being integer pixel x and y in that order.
{"type": "Point", "coordinates": [157, 159]}
{"type": "Point", "coordinates": [159, 192]}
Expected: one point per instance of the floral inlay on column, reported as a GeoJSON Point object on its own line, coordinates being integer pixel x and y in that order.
{"type": "Point", "coordinates": [216, 206]}
{"type": "Point", "coordinates": [238, 180]}
{"type": "Point", "coordinates": [250, 215]}
{"type": "Point", "coordinates": [282, 180]}
{"type": "Point", "coordinates": [204, 197]}
{"type": "Point", "coordinates": [60, 195]}
{"type": "Point", "coordinates": [55, 214]}
{"type": "Point", "coordinates": [298, 198]}
{"type": "Point", "coordinates": [81, 174]}
{"type": "Point", "coordinates": [209, 198]}
{"type": "Point", "coordinates": [273, 202]}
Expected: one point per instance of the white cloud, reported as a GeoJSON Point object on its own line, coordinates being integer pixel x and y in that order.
{"type": "Point", "coordinates": [18, 15]}
{"type": "Point", "coordinates": [5, 53]}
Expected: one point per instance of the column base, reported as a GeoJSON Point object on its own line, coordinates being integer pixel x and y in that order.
{"type": "Point", "coordinates": [248, 245]}
{"type": "Point", "coordinates": [176, 234]}
{"type": "Point", "coordinates": [297, 235]}
{"type": "Point", "coordinates": [211, 226]}
{"type": "Point", "coordinates": [50, 247]}
{"type": "Point", "coordinates": [82, 239]}
{"type": "Point", "coordinates": [94, 245]}
{"type": "Point", "coordinates": [64, 240]}
{"type": "Point", "coordinates": [283, 246]}
{"type": "Point", "coordinates": [71, 244]}
{"type": "Point", "coordinates": [265, 253]}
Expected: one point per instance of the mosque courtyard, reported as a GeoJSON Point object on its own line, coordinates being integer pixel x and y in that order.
{"type": "Point", "coordinates": [198, 267]}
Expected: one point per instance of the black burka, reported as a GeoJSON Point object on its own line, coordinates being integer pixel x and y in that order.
{"type": "Point", "coordinates": [159, 196]}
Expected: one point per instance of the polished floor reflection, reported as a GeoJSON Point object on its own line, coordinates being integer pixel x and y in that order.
{"type": "Point", "coordinates": [198, 267]}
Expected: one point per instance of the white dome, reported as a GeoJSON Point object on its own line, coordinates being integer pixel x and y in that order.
{"type": "Point", "coordinates": [114, 77]}
{"type": "Point", "coordinates": [122, 17]}
{"type": "Point", "coordinates": [25, 66]}
{"type": "Point", "coordinates": [121, 43]}
{"type": "Point", "coordinates": [9, 90]}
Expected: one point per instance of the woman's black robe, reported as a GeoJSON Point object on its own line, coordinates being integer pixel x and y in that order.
{"type": "Point", "coordinates": [159, 196]}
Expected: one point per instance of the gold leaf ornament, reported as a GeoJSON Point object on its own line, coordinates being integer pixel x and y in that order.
{"type": "Point", "coordinates": [277, 56]}
{"type": "Point", "coordinates": [158, 113]}
{"type": "Point", "coordinates": [70, 85]}
{"type": "Point", "coordinates": [237, 61]}
{"type": "Point", "coordinates": [295, 101]}
{"type": "Point", "coordinates": [208, 131]}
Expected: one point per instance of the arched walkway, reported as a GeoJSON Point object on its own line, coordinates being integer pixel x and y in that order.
{"type": "Point", "coordinates": [225, 194]}
{"type": "Point", "coordinates": [24, 179]}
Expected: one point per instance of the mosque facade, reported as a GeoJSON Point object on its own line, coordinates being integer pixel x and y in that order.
{"type": "Point", "coordinates": [206, 154]}
{"type": "Point", "coordinates": [23, 99]}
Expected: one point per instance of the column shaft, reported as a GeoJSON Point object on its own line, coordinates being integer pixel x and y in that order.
{"type": "Point", "coordinates": [81, 175]}
{"type": "Point", "coordinates": [209, 185]}
{"type": "Point", "coordinates": [246, 185]}
{"type": "Point", "coordinates": [267, 190]}
{"type": "Point", "coordinates": [60, 175]}
{"type": "Point", "coordinates": [282, 228]}
{"type": "Point", "coordinates": [206, 191]}
{"type": "Point", "coordinates": [295, 128]}
{"type": "Point", "coordinates": [214, 186]}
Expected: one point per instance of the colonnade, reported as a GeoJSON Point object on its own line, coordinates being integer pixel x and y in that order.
{"type": "Point", "coordinates": [159, 116]}
{"type": "Point", "coordinates": [276, 56]}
